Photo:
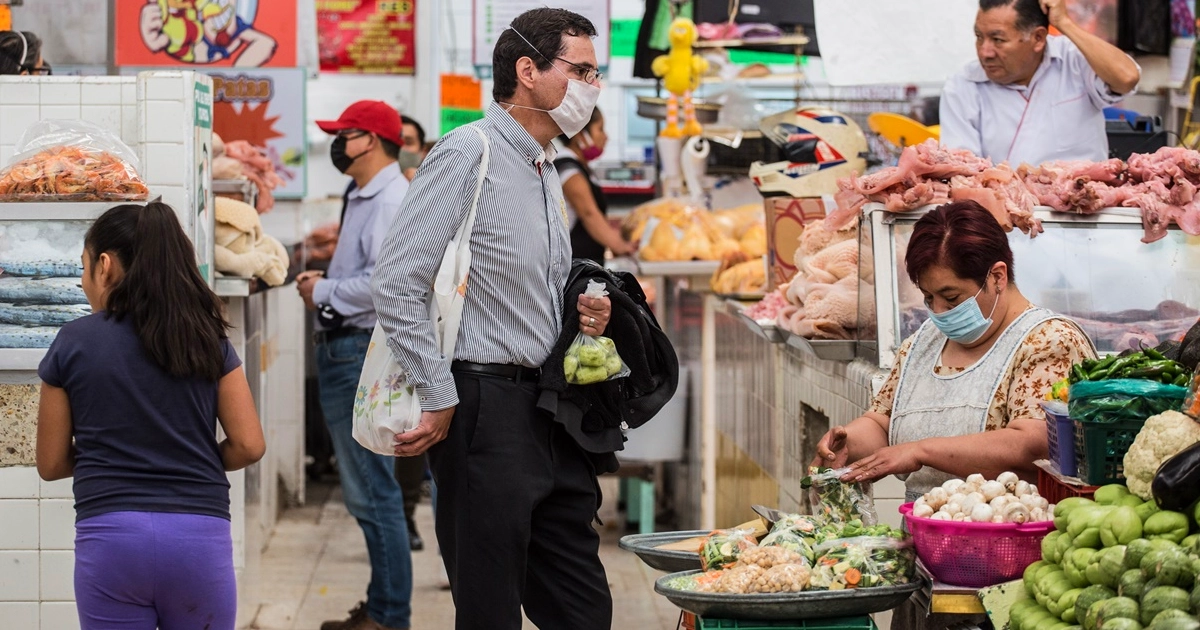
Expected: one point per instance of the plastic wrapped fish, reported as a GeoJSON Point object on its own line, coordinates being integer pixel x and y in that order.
{"type": "Point", "coordinates": [42, 314]}
{"type": "Point", "coordinates": [55, 268]}
{"type": "Point", "coordinates": [42, 291]}
{"type": "Point", "coordinates": [12, 336]}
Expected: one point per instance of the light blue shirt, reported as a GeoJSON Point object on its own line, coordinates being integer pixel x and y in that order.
{"type": "Point", "coordinates": [1058, 116]}
{"type": "Point", "coordinates": [370, 211]}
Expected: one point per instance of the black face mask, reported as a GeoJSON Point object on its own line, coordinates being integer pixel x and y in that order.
{"type": "Point", "coordinates": [337, 154]}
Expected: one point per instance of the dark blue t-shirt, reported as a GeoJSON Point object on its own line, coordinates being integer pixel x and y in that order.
{"type": "Point", "coordinates": [145, 441]}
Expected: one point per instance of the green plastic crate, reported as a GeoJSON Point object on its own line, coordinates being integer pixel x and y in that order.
{"type": "Point", "coordinates": [1100, 449]}
{"type": "Point", "coordinates": [841, 623]}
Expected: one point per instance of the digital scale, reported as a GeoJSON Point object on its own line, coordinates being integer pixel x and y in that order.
{"type": "Point", "coordinates": [627, 179]}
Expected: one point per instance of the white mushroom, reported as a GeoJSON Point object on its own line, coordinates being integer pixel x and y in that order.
{"type": "Point", "coordinates": [991, 490]}
{"type": "Point", "coordinates": [1050, 512]}
{"type": "Point", "coordinates": [982, 513]}
{"type": "Point", "coordinates": [1009, 480]}
{"type": "Point", "coordinates": [1016, 513]}
{"type": "Point", "coordinates": [1022, 488]}
{"type": "Point", "coordinates": [937, 498]}
{"type": "Point", "coordinates": [940, 516]}
{"type": "Point", "coordinates": [1037, 515]}
{"type": "Point", "coordinates": [997, 518]}
{"type": "Point", "coordinates": [922, 511]}
{"type": "Point", "coordinates": [951, 485]}
{"type": "Point", "coordinates": [960, 518]}
{"type": "Point", "coordinates": [999, 502]}
{"type": "Point", "coordinates": [976, 479]}
{"type": "Point", "coordinates": [969, 502]}
{"type": "Point", "coordinates": [1030, 501]}
{"type": "Point", "coordinates": [953, 508]}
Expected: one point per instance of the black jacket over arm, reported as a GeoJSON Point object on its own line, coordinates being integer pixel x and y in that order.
{"type": "Point", "coordinates": [597, 415]}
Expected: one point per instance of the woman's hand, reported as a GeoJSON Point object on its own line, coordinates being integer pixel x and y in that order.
{"type": "Point", "coordinates": [833, 449]}
{"type": "Point", "coordinates": [891, 460]}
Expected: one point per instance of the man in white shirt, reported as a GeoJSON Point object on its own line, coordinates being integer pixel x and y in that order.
{"type": "Point", "coordinates": [1031, 98]}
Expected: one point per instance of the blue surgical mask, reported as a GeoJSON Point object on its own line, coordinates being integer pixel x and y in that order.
{"type": "Point", "coordinates": [964, 323]}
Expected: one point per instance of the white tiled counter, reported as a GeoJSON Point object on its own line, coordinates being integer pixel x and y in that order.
{"type": "Point", "coordinates": [155, 114]}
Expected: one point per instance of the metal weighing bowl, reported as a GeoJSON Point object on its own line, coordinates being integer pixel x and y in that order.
{"type": "Point", "coordinates": [646, 548]}
{"type": "Point", "coordinates": [786, 606]}
{"type": "Point", "coordinates": [656, 108]}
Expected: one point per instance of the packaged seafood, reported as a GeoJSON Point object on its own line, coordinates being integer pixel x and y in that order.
{"type": "Point", "coordinates": [69, 160]}
{"type": "Point", "coordinates": [13, 336]}
{"type": "Point", "coordinates": [42, 314]}
{"type": "Point", "coordinates": [42, 290]}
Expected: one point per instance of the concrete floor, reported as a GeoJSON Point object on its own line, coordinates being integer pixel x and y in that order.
{"type": "Point", "coordinates": [315, 568]}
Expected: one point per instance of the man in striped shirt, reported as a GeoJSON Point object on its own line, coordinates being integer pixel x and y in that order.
{"type": "Point", "coordinates": [516, 494]}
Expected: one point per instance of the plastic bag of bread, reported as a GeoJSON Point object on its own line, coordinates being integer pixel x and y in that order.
{"type": "Point", "coordinates": [72, 160]}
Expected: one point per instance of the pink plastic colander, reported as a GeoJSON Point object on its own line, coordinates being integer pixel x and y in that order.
{"type": "Point", "coordinates": [975, 554]}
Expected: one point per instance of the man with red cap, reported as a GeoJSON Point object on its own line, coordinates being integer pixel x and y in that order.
{"type": "Point", "coordinates": [366, 146]}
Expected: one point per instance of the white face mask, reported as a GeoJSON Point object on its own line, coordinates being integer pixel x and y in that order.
{"type": "Point", "coordinates": [575, 110]}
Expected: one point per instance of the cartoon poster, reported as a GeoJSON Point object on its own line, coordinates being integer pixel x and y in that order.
{"type": "Point", "coordinates": [240, 33]}
{"type": "Point", "coordinates": [367, 36]}
{"type": "Point", "coordinates": [265, 107]}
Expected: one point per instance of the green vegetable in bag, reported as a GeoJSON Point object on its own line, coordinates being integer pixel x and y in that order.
{"type": "Point", "coordinates": [1122, 399]}
{"type": "Point", "coordinates": [593, 359]}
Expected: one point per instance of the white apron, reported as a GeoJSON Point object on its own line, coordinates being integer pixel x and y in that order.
{"type": "Point", "coordinates": [930, 405]}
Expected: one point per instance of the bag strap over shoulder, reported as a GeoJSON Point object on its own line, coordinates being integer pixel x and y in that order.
{"type": "Point", "coordinates": [449, 287]}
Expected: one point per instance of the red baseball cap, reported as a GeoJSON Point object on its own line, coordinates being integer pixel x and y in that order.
{"type": "Point", "coordinates": [377, 117]}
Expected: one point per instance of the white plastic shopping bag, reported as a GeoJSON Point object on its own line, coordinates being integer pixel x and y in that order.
{"type": "Point", "coordinates": [385, 404]}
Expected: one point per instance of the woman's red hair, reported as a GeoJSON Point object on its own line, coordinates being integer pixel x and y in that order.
{"type": "Point", "coordinates": [961, 236]}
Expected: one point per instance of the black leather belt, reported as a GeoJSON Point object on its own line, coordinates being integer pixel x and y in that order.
{"type": "Point", "coordinates": [517, 373]}
{"type": "Point", "coordinates": [325, 336]}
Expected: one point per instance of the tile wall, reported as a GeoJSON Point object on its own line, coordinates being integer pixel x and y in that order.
{"type": "Point", "coordinates": [37, 519]}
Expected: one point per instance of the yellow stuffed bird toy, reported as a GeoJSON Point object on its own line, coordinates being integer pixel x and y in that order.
{"type": "Point", "coordinates": [680, 71]}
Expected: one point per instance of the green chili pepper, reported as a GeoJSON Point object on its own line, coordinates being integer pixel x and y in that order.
{"type": "Point", "coordinates": [1153, 354]}
{"type": "Point", "coordinates": [1077, 374]}
{"type": "Point", "coordinates": [1182, 380]}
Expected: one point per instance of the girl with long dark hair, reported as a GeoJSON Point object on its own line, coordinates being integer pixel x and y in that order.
{"type": "Point", "coordinates": [131, 396]}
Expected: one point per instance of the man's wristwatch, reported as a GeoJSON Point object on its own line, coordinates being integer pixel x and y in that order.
{"type": "Point", "coordinates": [329, 317]}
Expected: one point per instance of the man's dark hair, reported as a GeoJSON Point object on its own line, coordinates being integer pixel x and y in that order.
{"type": "Point", "coordinates": [544, 28]}
{"type": "Point", "coordinates": [390, 149]}
{"type": "Point", "coordinates": [405, 120]}
{"type": "Point", "coordinates": [1029, 12]}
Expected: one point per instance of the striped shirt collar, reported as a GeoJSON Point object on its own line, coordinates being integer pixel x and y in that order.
{"type": "Point", "coordinates": [518, 136]}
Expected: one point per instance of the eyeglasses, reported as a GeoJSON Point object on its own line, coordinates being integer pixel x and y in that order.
{"type": "Point", "coordinates": [587, 74]}
{"type": "Point", "coordinates": [44, 70]}
{"type": "Point", "coordinates": [352, 134]}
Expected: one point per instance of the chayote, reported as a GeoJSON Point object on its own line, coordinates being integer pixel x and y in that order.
{"type": "Point", "coordinates": [1121, 527]}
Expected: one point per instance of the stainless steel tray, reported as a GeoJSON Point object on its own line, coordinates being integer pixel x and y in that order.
{"type": "Point", "coordinates": [688, 268]}
{"type": "Point", "coordinates": [786, 606]}
{"type": "Point", "coordinates": [830, 350]}
{"type": "Point", "coordinates": [656, 108]}
{"type": "Point", "coordinates": [646, 548]}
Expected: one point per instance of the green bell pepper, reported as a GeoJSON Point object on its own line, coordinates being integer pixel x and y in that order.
{"type": "Point", "coordinates": [1166, 525]}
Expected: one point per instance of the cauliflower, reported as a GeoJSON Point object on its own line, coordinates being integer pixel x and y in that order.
{"type": "Point", "coordinates": [1161, 437]}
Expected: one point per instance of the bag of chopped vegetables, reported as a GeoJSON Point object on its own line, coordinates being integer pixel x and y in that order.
{"type": "Point", "coordinates": [795, 533]}
{"type": "Point", "coordinates": [837, 501]}
{"type": "Point", "coordinates": [863, 562]}
{"type": "Point", "coordinates": [723, 547]}
{"type": "Point", "coordinates": [593, 359]}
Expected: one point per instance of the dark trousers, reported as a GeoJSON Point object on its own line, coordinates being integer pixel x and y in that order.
{"type": "Point", "coordinates": [410, 472]}
{"type": "Point", "coordinates": [516, 499]}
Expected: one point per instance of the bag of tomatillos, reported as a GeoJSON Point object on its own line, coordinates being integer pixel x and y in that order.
{"type": "Point", "coordinates": [71, 160]}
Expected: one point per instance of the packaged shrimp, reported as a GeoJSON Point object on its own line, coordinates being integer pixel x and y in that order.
{"type": "Point", "coordinates": [72, 160]}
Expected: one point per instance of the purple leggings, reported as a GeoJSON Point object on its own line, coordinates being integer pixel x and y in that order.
{"type": "Point", "coordinates": [136, 570]}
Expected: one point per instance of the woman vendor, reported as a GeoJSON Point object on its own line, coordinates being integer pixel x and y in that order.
{"type": "Point", "coordinates": [587, 207]}
{"type": "Point", "coordinates": [963, 394]}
